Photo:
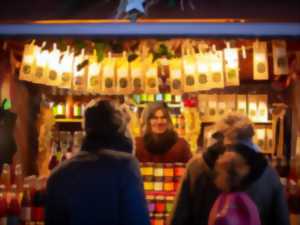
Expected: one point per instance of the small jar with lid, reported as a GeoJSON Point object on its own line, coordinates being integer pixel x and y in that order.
{"type": "Point", "coordinates": [148, 183]}
{"type": "Point", "coordinates": [147, 169]}
{"type": "Point", "coordinates": [168, 170]}
{"type": "Point", "coordinates": [151, 203]}
{"type": "Point", "coordinates": [159, 219]}
{"type": "Point", "coordinates": [169, 203]}
{"type": "Point", "coordinates": [158, 183]}
{"type": "Point", "coordinates": [169, 184]}
{"type": "Point", "coordinates": [177, 182]}
{"type": "Point", "coordinates": [179, 169]}
{"type": "Point", "coordinates": [158, 170]}
{"type": "Point", "coordinates": [160, 204]}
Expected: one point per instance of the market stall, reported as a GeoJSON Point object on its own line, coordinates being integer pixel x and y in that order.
{"type": "Point", "coordinates": [201, 69]}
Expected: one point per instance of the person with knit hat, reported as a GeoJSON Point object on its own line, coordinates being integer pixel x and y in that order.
{"type": "Point", "coordinates": [198, 191]}
{"type": "Point", "coordinates": [101, 185]}
{"type": "Point", "coordinates": [159, 142]}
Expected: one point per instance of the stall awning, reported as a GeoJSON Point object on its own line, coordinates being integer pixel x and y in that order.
{"type": "Point", "coordinates": [155, 28]}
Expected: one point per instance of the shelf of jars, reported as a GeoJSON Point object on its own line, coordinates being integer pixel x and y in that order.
{"type": "Point", "coordinates": [161, 181]}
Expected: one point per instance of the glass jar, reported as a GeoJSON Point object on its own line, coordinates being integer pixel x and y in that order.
{"type": "Point", "coordinates": [169, 184]}
{"type": "Point", "coordinates": [160, 204]}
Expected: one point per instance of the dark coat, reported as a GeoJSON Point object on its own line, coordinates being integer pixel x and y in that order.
{"type": "Point", "coordinates": [103, 188]}
{"type": "Point", "coordinates": [198, 193]}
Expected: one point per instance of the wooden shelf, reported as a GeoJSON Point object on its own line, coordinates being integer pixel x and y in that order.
{"type": "Point", "coordinates": [164, 193]}
{"type": "Point", "coordinates": [69, 120]}
{"type": "Point", "coordinates": [170, 105]}
{"type": "Point", "coordinates": [266, 122]}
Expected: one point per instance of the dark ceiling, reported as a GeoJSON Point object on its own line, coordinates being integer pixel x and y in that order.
{"type": "Point", "coordinates": [106, 9]}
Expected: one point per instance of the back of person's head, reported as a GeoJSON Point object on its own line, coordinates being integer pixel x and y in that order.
{"type": "Point", "coordinates": [104, 125]}
{"type": "Point", "coordinates": [238, 168]}
{"type": "Point", "coordinates": [235, 127]}
{"type": "Point", "coordinates": [235, 171]}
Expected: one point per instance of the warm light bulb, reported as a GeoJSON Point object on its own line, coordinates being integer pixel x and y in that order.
{"type": "Point", "coordinates": [189, 68]}
{"type": "Point", "coordinates": [123, 71]}
{"type": "Point", "coordinates": [259, 57]}
{"type": "Point", "coordinates": [94, 69]}
{"type": "Point", "coordinates": [216, 66]}
{"type": "Point", "coordinates": [202, 68]}
{"type": "Point", "coordinates": [42, 58]}
{"type": "Point", "coordinates": [66, 63]}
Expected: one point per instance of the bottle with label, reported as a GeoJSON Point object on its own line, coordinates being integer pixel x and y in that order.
{"type": "Point", "coordinates": [53, 162]}
{"type": "Point", "coordinates": [26, 205]}
{"type": "Point", "coordinates": [19, 177]}
{"type": "Point", "coordinates": [3, 206]}
{"type": "Point", "coordinates": [38, 204]}
{"type": "Point", "coordinates": [14, 209]}
{"type": "Point", "coordinates": [6, 176]}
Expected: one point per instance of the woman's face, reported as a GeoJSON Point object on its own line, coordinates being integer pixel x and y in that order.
{"type": "Point", "coordinates": [159, 122]}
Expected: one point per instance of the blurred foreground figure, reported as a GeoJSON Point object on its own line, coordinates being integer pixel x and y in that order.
{"type": "Point", "coordinates": [102, 184]}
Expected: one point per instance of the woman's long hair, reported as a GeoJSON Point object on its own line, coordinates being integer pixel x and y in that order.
{"type": "Point", "coordinates": [157, 144]}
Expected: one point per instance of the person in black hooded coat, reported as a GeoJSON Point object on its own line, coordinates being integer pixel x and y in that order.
{"type": "Point", "coordinates": [102, 184]}
{"type": "Point", "coordinates": [198, 191]}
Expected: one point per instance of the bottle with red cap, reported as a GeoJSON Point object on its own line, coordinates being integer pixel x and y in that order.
{"type": "Point", "coordinates": [14, 209]}
{"type": "Point", "coordinates": [54, 158]}
{"type": "Point", "coordinates": [38, 200]}
{"type": "Point", "coordinates": [3, 206]}
{"type": "Point", "coordinates": [26, 206]}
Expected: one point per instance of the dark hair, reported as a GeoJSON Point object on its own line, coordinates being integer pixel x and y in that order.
{"type": "Point", "coordinates": [105, 128]}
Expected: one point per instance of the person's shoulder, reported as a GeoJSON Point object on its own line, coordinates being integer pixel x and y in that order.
{"type": "Point", "coordinates": [116, 156]}
{"type": "Point", "coordinates": [196, 164]}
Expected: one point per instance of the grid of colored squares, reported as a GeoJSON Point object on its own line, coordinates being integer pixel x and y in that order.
{"type": "Point", "coordinates": [160, 206]}
{"type": "Point", "coordinates": [162, 176]}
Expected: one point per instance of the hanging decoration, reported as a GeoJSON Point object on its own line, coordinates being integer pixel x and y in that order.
{"type": "Point", "coordinates": [108, 79]}
{"type": "Point", "coordinates": [151, 77]}
{"type": "Point", "coordinates": [52, 77]}
{"type": "Point", "coordinates": [216, 69]}
{"type": "Point", "coordinates": [260, 61]}
{"type": "Point", "coordinates": [178, 71]}
{"type": "Point", "coordinates": [175, 66]}
{"type": "Point", "coordinates": [79, 71]}
{"type": "Point", "coordinates": [280, 59]}
{"type": "Point", "coordinates": [28, 62]}
{"type": "Point", "coordinates": [137, 75]}
{"type": "Point", "coordinates": [123, 75]}
{"type": "Point", "coordinates": [190, 73]}
{"type": "Point", "coordinates": [203, 71]}
{"type": "Point", "coordinates": [231, 66]}
{"type": "Point", "coordinates": [93, 76]}
{"type": "Point", "coordinates": [66, 69]}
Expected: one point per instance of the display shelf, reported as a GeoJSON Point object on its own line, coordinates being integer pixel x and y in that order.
{"type": "Point", "coordinates": [164, 193]}
{"type": "Point", "coordinates": [258, 122]}
{"type": "Point", "coordinates": [69, 120]}
{"type": "Point", "coordinates": [170, 105]}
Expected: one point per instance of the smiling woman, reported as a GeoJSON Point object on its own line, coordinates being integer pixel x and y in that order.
{"type": "Point", "coordinates": [160, 142]}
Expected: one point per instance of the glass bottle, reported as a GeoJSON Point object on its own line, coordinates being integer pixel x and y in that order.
{"type": "Point", "coordinates": [26, 205]}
